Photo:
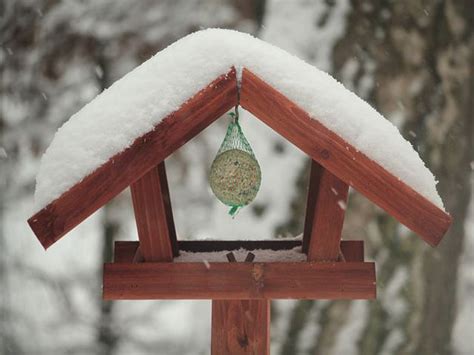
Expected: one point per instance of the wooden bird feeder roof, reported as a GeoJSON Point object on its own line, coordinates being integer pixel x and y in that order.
{"type": "Point", "coordinates": [285, 117]}
{"type": "Point", "coordinates": [334, 268]}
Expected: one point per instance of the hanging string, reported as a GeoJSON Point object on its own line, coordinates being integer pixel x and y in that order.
{"type": "Point", "coordinates": [236, 110]}
{"type": "Point", "coordinates": [235, 114]}
{"type": "Point", "coordinates": [237, 105]}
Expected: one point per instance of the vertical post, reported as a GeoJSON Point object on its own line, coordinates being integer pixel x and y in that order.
{"type": "Point", "coordinates": [152, 207]}
{"type": "Point", "coordinates": [240, 327]}
{"type": "Point", "coordinates": [165, 193]}
{"type": "Point", "coordinates": [326, 205]}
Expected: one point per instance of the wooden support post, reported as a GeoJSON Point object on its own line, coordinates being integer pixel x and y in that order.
{"type": "Point", "coordinates": [165, 192]}
{"type": "Point", "coordinates": [151, 203]}
{"type": "Point", "coordinates": [327, 198]}
{"type": "Point", "coordinates": [240, 327]}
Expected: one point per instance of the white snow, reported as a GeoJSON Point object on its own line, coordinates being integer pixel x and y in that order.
{"type": "Point", "coordinates": [261, 256]}
{"type": "Point", "coordinates": [136, 103]}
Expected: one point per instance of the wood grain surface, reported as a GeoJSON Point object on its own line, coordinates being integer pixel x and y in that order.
{"type": "Point", "coordinates": [343, 160]}
{"type": "Point", "coordinates": [84, 198]}
{"type": "Point", "coordinates": [153, 215]}
{"type": "Point", "coordinates": [325, 209]}
{"type": "Point", "coordinates": [239, 280]}
{"type": "Point", "coordinates": [240, 327]}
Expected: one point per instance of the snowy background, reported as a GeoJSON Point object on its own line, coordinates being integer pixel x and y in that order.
{"type": "Point", "coordinates": [411, 60]}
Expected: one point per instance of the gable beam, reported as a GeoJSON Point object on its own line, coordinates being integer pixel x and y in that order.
{"type": "Point", "coordinates": [343, 160]}
{"type": "Point", "coordinates": [147, 151]}
{"type": "Point", "coordinates": [327, 198]}
{"type": "Point", "coordinates": [153, 215]}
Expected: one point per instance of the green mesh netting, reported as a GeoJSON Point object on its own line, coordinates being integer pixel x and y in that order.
{"type": "Point", "coordinates": [235, 174]}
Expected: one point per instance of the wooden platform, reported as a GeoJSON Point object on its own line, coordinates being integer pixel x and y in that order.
{"type": "Point", "coordinates": [126, 279]}
{"type": "Point", "coordinates": [279, 280]}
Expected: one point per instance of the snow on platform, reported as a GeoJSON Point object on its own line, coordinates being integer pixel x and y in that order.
{"type": "Point", "coordinates": [261, 256]}
{"type": "Point", "coordinates": [133, 105]}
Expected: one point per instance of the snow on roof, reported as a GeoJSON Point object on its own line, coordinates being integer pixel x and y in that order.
{"type": "Point", "coordinates": [133, 105]}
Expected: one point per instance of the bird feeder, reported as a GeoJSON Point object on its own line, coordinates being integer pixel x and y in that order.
{"type": "Point", "coordinates": [240, 290]}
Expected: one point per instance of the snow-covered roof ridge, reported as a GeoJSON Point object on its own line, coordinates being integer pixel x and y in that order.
{"type": "Point", "coordinates": [136, 103]}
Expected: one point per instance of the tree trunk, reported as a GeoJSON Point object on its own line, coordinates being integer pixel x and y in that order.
{"type": "Point", "coordinates": [107, 338]}
{"type": "Point", "coordinates": [412, 61]}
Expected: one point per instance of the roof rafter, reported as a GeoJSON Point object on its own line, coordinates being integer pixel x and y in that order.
{"type": "Point", "coordinates": [343, 160]}
{"type": "Point", "coordinates": [147, 151]}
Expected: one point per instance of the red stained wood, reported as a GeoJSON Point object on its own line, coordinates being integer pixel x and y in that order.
{"type": "Point", "coordinates": [327, 198]}
{"type": "Point", "coordinates": [311, 198]}
{"type": "Point", "coordinates": [138, 257]}
{"type": "Point", "coordinates": [240, 327]}
{"type": "Point", "coordinates": [240, 280]}
{"type": "Point", "coordinates": [165, 192]}
{"type": "Point", "coordinates": [343, 160]}
{"type": "Point", "coordinates": [126, 251]}
{"type": "Point", "coordinates": [151, 204]}
{"type": "Point", "coordinates": [78, 203]}
{"type": "Point", "coordinates": [352, 250]}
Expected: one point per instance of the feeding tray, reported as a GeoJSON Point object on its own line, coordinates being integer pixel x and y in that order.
{"type": "Point", "coordinates": [222, 270]}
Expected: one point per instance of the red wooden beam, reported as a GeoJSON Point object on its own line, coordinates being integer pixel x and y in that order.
{"type": "Point", "coordinates": [352, 250]}
{"type": "Point", "coordinates": [241, 280]}
{"type": "Point", "coordinates": [311, 198]}
{"type": "Point", "coordinates": [153, 215]}
{"type": "Point", "coordinates": [124, 251]}
{"type": "Point", "coordinates": [343, 160]}
{"type": "Point", "coordinates": [327, 198]}
{"type": "Point", "coordinates": [165, 192]}
{"type": "Point", "coordinates": [84, 198]}
{"type": "Point", "coordinates": [240, 327]}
